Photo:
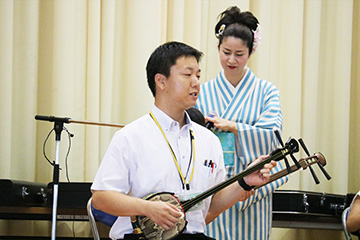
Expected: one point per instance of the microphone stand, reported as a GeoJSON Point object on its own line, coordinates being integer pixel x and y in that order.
{"type": "Point", "coordinates": [58, 127]}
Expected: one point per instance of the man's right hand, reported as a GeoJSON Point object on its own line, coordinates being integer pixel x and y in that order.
{"type": "Point", "coordinates": [164, 214]}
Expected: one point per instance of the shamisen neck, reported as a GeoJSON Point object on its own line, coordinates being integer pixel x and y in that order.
{"type": "Point", "coordinates": [276, 155]}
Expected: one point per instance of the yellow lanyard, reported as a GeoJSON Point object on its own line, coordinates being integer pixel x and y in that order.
{"type": "Point", "coordinates": [183, 180]}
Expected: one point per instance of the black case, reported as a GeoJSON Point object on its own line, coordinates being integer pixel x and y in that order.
{"type": "Point", "coordinates": [312, 203]}
{"type": "Point", "coordinates": [22, 193]}
{"type": "Point", "coordinates": [70, 195]}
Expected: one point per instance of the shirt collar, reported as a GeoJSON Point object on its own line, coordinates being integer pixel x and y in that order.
{"type": "Point", "coordinates": [167, 123]}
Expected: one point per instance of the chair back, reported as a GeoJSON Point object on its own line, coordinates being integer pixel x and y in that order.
{"type": "Point", "coordinates": [344, 216]}
{"type": "Point", "coordinates": [98, 215]}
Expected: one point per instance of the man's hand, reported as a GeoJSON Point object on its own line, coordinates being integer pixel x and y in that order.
{"type": "Point", "coordinates": [164, 214]}
{"type": "Point", "coordinates": [118, 204]}
{"type": "Point", "coordinates": [262, 176]}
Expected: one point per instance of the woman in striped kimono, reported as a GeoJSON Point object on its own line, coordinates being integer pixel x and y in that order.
{"type": "Point", "coordinates": [245, 111]}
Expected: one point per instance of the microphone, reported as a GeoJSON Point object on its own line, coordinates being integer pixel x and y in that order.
{"type": "Point", "coordinates": [196, 116]}
{"type": "Point", "coordinates": [209, 124]}
{"type": "Point", "coordinates": [52, 119]}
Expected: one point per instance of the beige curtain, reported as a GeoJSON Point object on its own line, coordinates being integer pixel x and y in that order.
{"type": "Point", "coordinates": [86, 60]}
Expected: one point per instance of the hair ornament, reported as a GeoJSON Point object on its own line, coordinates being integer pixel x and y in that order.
{"type": "Point", "coordinates": [221, 31]}
{"type": "Point", "coordinates": [257, 37]}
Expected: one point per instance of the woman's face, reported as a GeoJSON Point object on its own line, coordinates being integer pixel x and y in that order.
{"type": "Point", "coordinates": [234, 56]}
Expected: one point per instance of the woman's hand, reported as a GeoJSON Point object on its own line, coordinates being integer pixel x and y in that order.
{"type": "Point", "coordinates": [246, 195]}
{"type": "Point", "coordinates": [223, 124]}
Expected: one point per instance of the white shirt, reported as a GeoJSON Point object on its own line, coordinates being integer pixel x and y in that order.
{"type": "Point", "coordinates": [138, 162]}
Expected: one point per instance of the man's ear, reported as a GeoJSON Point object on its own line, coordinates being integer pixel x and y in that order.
{"type": "Point", "coordinates": [160, 80]}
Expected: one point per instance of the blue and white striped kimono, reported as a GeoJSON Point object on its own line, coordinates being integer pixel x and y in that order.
{"type": "Point", "coordinates": [254, 105]}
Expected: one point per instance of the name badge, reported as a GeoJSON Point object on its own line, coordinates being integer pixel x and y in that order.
{"type": "Point", "coordinates": [198, 206]}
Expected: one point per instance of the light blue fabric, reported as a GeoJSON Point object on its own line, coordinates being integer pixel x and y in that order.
{"type": "Point", "coordinates": [227, 140]}
{"type": "Point", "coordinates": [255, 107]}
